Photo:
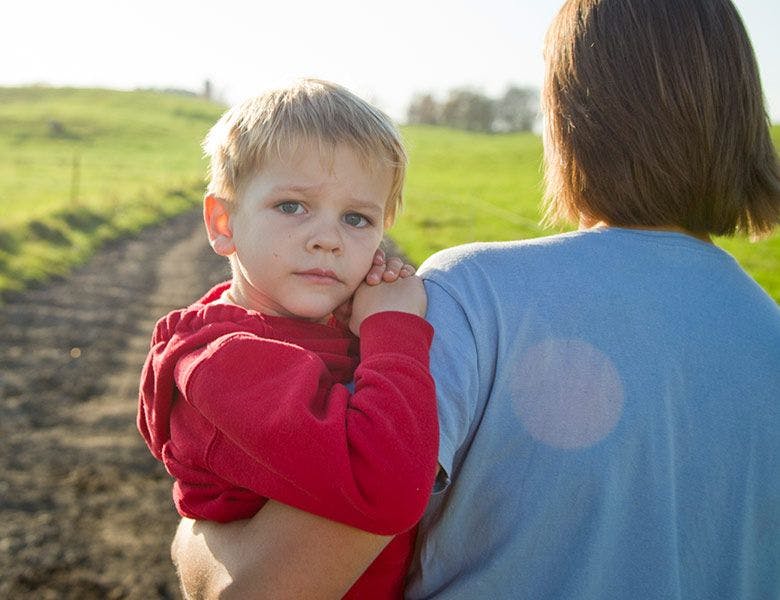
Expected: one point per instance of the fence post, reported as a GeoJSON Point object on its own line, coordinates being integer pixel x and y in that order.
{"type": "Point", "coordinates": [75, 176]}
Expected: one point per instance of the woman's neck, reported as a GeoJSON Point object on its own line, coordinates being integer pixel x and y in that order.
{"type": "Point", "coordinates": [704, 237]}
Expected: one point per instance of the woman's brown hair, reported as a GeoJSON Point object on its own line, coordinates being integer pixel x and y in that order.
{"type": "Point", "coordinates": [655, 117]}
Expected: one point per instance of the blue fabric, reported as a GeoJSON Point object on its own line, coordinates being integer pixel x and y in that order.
{"type": "Point", "coordinates": [610, 422]}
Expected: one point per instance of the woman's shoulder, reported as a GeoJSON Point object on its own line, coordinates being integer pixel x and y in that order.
{"type": "Point", "coordinates": [477, 257]}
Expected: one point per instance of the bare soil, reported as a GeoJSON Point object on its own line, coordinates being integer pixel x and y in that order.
{"type": "Point", "coordinates": [85, 511]}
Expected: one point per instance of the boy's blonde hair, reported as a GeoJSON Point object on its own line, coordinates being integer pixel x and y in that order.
{"type": "Point", "coordinates": [309, 110]}
{"type": "Point", "coordinates": [655, 117]}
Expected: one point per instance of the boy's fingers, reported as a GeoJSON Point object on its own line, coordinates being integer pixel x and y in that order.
{"type": "Point", "coordinates": [387, 269]}
{"type": "Point", "coordinates": [406, 271]}
{"type": "Point", "coordinates": [392, 269]}
{"type": "Point", "coordinates": [374, 275]}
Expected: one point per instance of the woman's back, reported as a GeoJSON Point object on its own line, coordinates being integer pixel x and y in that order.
{"type": "Point", "coordinates": [609, 407]}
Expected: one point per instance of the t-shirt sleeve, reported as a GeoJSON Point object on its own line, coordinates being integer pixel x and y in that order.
{"type": "Point", "coordinates": [454, 366]}
{"type": "Point", "coordinates": [286, 431]}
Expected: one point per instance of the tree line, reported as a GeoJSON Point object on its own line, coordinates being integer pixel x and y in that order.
{"type": "Point", "coordinates": [467, 108]}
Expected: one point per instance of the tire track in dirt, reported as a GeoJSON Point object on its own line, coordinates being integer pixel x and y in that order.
{"type": "Point", "coordinates": [85, 511]}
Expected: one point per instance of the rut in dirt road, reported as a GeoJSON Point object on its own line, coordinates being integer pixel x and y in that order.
{"type": "Point", "coordinates": [85, 511]}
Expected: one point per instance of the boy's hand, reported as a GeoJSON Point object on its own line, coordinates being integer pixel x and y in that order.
{"type": "Point", "coordinates": [406, 294]}
{"type": "Point", "coordinates": [382, 270]}
{"type": "Point", "coordinates": [387, 269]}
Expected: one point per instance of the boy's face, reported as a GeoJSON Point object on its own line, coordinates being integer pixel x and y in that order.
{"type": "Point", "coordinates": [305, 231]}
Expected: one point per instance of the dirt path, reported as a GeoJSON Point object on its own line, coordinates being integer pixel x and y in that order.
{"type": "Point", "coordinates": [85, 512]}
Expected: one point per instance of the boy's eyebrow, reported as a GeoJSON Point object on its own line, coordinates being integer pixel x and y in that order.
{"type": "Point", "coordinates": [303, 189]}
{"type": "Point", "coordinates": [365, 205]}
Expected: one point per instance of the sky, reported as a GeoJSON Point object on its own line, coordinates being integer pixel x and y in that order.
{"type": "Point", "coordinates": [384, 51]}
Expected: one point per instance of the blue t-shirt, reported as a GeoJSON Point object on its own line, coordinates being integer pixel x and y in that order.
{"type": "Point", "coordinates": [610, 422]}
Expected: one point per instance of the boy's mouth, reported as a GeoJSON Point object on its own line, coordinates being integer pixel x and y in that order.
{"type": "Point", "coordinates": [325, 276]}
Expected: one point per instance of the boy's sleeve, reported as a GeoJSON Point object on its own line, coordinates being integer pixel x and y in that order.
{"type": "Point", "coordinates": [287, 432]}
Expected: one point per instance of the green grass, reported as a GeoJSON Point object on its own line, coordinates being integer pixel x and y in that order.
{"type": "Point", "coordinates": [79, 167]}
{"type": "Point", "coordinates": [465, 187]}
{"type": "Point", "coordinates": [82, 166]}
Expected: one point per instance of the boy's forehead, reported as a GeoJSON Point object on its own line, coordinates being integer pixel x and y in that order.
{"type": "Point", "coordinates": [298, 167]}
{"type": "Point", "coordinates": [294, 155]}
{"type": "Point", "coordinates": [296, 150]}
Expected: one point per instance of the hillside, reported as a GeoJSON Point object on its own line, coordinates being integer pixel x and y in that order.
{"type": "Point", "coordinates": [82, 166]}
{"type": "Point", "coordinates": [79, 167]}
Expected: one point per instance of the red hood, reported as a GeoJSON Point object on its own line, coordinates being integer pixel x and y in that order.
{"type": "Point", "coordinates": [186, 330]}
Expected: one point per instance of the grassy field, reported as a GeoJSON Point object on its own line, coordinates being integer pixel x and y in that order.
{"type": "Point", "coordinates": [79, 167]}
{"type": "Point", "coordinates": [466, 187]}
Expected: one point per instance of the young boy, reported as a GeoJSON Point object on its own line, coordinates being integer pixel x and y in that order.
{"type": "Point", "coordinates": [244, 395]}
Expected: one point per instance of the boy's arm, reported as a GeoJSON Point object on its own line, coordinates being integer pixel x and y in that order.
{"type": "Point", "coordinates": [286, 432]}
{"type": "Point", "coordinates": [281, 553]}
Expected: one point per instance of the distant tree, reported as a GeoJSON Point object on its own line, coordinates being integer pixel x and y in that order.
{"type": "Point", "coordinates": [517, 110]}
{"type": "Point", "coordinates": [423, 110]}
{"type": "Point", "coordinates": [468, 109]}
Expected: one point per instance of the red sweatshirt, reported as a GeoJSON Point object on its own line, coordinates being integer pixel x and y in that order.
{"type": "Point", "coordinates": [242, 407]}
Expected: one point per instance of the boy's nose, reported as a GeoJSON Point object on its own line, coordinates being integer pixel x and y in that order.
{"type": "Point", "coordinates": [326, 238]}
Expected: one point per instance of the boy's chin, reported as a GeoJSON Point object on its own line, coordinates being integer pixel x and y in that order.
{"type": "Point", "coordinates": [318, 309]}
{"type": "Point", "coordinates": [313, 315]}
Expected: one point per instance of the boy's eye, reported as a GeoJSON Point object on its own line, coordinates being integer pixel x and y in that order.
{"type": "Point", "coordinates": [356, 220]}
{"type": "Point", "coordinates": [290, 208]}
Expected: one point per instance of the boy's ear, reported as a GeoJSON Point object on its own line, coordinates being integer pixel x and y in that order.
{"type": "Point", "coordinates": [217, 218]}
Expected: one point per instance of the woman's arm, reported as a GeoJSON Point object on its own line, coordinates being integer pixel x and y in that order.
{"type": "Point", "coordinates": [280, 553]}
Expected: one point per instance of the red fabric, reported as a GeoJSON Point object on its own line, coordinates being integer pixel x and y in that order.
{"type": "Point", "coordinates": [242, 407]}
